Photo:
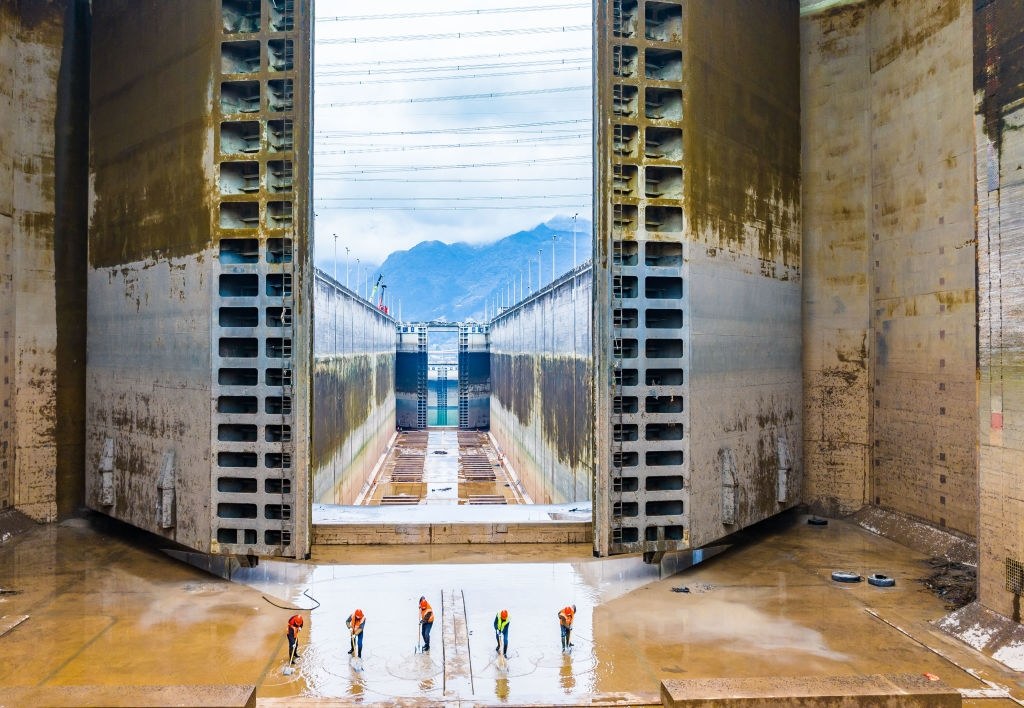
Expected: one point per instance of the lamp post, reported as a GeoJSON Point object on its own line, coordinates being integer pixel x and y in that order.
{"type": "Point", "coordinates": [574, 239]}
{"type": "Point", "coordinates": [346, 266]}
{"type": "Point", "coordinates": [335, 259]}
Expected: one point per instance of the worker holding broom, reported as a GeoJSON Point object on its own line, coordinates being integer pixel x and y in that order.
{"type": "Point", "coordinates": [565, 618]}
{"type": "Point", "coordinates": [501, 633]}
{"type": "Point", "coordinates": [356, 622]}
{"type": "Point", "coordinates": [426, 622]}
{"type": "Point", "coordinates": [294, 627]}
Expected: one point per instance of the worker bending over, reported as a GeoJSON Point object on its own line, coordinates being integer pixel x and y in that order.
{"type": "Point", "coordinates": [565, 618]}
{"type": "Point", "coordinates": [426, 622]}
{"type": "Point", "coordinates": [501, 632]}
{"type": "Point", "coordinates": [294, 627]}
{"type": "Point", "coordinates": [356, 622]}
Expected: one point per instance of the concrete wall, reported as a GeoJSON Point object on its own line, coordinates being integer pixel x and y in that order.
{"type": "Point", "coordinates": [541, 411]}
{"type": "Point", "coordinates": [836, 105]}
{"type": "Point", "coordinates": [742, 227]}
{"type": "Point", "coordinates": [999, 138]}
{"type": "Point", "coordinates": [43, 54]}
{"type": "Point", "coordinates": [353, 391]}
{"type": "Point", "coordinates": [889, 330]}
{"type": "Point", "coordinates": [698, 376]}
{"type": "Point", "coordinates": [200, 321]}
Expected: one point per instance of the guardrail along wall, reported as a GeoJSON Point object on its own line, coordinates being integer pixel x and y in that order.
{"type": "Point", "coordinates": [200, 319]}
{"type": "Point", "coordinates": [353, 391]}
{"type": "Point", "coordinates": [541, 410]}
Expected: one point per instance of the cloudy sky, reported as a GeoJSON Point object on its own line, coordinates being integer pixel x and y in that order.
{"type": "Point", "coordinates": [466, 120]}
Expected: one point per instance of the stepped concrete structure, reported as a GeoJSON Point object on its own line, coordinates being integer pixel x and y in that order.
{"type": "Point", "coordinates": [806, 286]}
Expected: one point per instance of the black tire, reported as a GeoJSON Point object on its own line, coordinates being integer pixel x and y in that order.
{"type": "Point", "coordinates": [845, 576]}
{"type": "Point", "coordinates": [881, 581]}
{"type": "Point", "coordinates": [817, 521]}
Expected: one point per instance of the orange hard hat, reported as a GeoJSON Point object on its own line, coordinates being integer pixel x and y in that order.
{"type": "Point", "coordinates": [504, 614]}
{"type": "Point", "coordinates": [358, 614]}
{"type": "Point", "coordinates": [296, 621]}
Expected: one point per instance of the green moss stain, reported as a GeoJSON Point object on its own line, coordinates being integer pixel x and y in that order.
{"type": "Point", "coordinates": [998, 61]}
{"type": "Point", "coordinates": [741, 127]}
{"type": "Point", "coordinates": [151, 130]}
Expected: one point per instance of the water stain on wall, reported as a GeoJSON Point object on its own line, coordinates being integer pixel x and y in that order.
{"type": "Point", "coordinates": [343, 393]}
{"type": "Point", "coordinates": [940, 15]}
{"type": "Point", "coordinates": [742, 139]}
{"type": "Point", "coordinates": [149, 135]}
{"type": "Point", "coordinates": [998, 60]}
{"type": "Point", "coordinates": [512, 384]}
{"type": "Point", "coordinates": [566, 409]}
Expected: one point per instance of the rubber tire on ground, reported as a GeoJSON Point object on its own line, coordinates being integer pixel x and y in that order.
{"type": "Point", "coordinates": [881, 581]}
{"type": "Point", "coordinates": [845, 576]}
{"type": "Point", "coordinates": [817, 521]}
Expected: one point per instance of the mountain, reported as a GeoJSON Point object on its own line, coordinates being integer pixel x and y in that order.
{"type": "Point", "coordinates": [435, 280]}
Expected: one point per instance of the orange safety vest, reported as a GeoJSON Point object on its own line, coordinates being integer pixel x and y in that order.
{"type": "Point", "coordinates": [565, 616]}
{"type": "Point", "coordinates": [426, 613]}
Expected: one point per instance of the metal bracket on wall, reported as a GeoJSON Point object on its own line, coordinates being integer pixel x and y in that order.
{"type": "Point", "coordinates": [105, 495]}
{"type": "Point", "coordinates": [728, 486]}
{"type": "Point", "coordinates": [785, 465]}
{"type": "Point", "coordinates": [165, 492]}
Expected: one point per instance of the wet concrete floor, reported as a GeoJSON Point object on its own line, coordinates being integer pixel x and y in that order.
{"type": "Point", "coordinates": [103, 611]}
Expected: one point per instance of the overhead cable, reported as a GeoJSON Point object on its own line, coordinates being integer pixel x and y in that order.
{"type": "Point", "coordinates": [411, 79]}
{"type": "Point", "coordinates": [427, 69]}
{"type": "Point", "coordinates": [424, 60]}
{"type": "Point", "coordinates": [464, 97]}
{"type": "Point", "coordinates": [465, 129]}
{"type": "Point", "coordinates": [457, 35]}
{"type": "Point", "coordinates": [454, 13]}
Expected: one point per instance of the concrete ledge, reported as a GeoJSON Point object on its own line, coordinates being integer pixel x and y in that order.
{"type": "Point", "coordinates": [895, 691]}
{"type": "Point", "coordinates": [216, 696]}
{"type": "Point", "coordinates": [425, 534]}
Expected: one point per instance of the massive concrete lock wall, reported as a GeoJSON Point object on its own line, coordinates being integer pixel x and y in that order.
{"type": "Point", "coordinates": [353, 391]}
{"type": "Point", "coordinates": [697, 248]}
{"type": "Point", "coordinates": [200, 336]}
{"type": "Point", "coordinates": [541, 410]}
{"type": "Point", "coordinates": [43, 118]}
{"type": "Point", "coordinates": [890, 260]}
{"type": "Point", "coordinates": [999, 138]}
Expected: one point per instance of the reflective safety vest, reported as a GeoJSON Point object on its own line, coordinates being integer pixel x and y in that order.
{"type": "Point", "coordinates": [426, 614]}
{"type": "Point", "coordinates": [356, 625]}
{"type": "Point", "coordinates": [565, 616]}
{"type": "Point", "coordinates": [499, 623]}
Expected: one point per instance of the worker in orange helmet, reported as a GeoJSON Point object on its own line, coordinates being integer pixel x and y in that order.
{"type": "Point", "coordinates": [356, 622]}
{"type": "Point", "coordinates": [565, 618]}
{"type": "Point", "coordinates": [426, 622]}
{"type": "Point", "coordinates": [501, 622]}
{"type": "Point", "coordinates": [294, 627]}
